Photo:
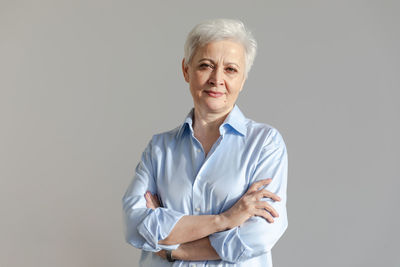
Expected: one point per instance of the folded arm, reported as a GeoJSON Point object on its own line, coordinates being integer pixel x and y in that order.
{"type": "Point", "coordinates": [153, 229]}
{"type": "Point", "coordinates": [254, 235]}
{"type": "Point", "coordinates": [193, 227]}
{"type": "Point", "coordinates": [254, 232]}
{"type": "Point", "coordinates": [187, 228]}
{"type": "Point", "coordinates": [145, 227]}
{"type": "Point", "coordinates": [257, 236]}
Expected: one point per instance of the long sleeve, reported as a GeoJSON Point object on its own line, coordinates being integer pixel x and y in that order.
{"type": "Point", "coordinates": [257, 236]}
{"type": "Point", "coordinates": [145, 227]}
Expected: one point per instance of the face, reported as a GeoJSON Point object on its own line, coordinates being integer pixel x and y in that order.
{"type": "Point", "coordinates": [216, 75]}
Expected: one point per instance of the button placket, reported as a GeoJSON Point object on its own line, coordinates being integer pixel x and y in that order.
{"type": "Point", "coordinates": [197, 198]}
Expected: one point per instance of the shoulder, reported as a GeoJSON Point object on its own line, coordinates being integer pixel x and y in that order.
{"type": "Point", "coordinates": [163, 139]}
{"type": "Point", "coordinates": [264, 133]}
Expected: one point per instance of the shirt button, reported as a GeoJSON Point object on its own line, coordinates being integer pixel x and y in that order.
{"type": "Point", "coordinates": [197, 210]}
{"type": "Point", "coordinates": [198, 151]}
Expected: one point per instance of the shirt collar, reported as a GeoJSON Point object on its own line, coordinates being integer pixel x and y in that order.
{"type": "Point", "coordinates": [235, 119]}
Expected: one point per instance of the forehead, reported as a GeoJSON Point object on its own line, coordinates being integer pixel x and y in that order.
{"type": "Point", "coordinates": [221, 50]}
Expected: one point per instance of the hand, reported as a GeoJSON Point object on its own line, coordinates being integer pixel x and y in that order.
{"type": "Point", "coordinates": [152, 201]}
{"type": "Point", "coordinates": [162, 254]}
{"type": "Point", "coordinates": [250, 204]}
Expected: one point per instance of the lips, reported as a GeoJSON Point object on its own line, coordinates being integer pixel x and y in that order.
{"type": "Point", "coordinates": [214, 94]}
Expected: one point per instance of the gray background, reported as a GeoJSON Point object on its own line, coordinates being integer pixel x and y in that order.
{"type": "Point", "coordinates": [85, 84]}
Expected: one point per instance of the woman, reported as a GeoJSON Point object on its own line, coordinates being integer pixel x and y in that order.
{"type": "Point", "coordinates": [210, 174]}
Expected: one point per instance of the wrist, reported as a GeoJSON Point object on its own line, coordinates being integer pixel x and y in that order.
{"type": "Point", "coordinates": [169, 255]}
{"type": "Point", "coordinates": [179, 253]}
{"type": "Point", "coordinates": [222, 222]}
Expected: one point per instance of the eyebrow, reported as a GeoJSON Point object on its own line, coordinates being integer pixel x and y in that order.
{"type": "Point", "coordinates": [228, 63]}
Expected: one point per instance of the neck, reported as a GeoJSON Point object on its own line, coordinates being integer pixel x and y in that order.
{"type": "Point", "coordinates": [206, 123]}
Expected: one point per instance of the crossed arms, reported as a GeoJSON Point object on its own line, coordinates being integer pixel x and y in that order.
{"type": "Point", "coordinates": [192, 231]}
{"type": "Point", "coordinates": [248, 229]}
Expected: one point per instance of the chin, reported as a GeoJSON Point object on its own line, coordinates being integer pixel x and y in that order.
{"type": "Point", "coordinates": [216, 107]}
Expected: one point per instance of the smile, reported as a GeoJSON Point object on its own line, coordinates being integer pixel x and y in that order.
{"type": "Point", "coordinates": [214, 94]}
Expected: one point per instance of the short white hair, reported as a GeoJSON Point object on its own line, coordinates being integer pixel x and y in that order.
{"type": "Point", "coordinates": [221, 29]}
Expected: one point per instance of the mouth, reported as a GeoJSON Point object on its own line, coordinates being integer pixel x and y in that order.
{"type": "Point", "coordinates": [214, 94]}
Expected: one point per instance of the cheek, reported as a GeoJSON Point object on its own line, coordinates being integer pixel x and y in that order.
{"type": "Point", "coordinates": [234, 87]}
{"type": "Point", "coordinates": [198, 82]}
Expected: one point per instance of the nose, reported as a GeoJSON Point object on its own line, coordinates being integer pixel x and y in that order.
{"type": "Point", "coordinates": [216, 78]}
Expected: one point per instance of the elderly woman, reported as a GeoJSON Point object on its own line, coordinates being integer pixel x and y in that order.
{"type": "Point", "coordinates": [211, 192]}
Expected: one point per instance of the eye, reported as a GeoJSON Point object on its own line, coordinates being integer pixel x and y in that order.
{"type": "Point", "coordinates": [231, 70]}
{"type": "Point", "coordinates": [205, 66]}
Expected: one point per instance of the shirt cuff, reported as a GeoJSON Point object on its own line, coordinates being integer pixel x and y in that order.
{"type": "Point", "coordinates": [157, 226]}
{"type": "Point", "coordinates": [228, 245]}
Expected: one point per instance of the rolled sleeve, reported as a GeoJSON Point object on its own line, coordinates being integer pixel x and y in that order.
{"type": "Point", "coordinates": [156, 226]}
{"type": "Point", "coordinates": [228, 245]}
{"type": "Point", "coordinates": [257, 236]}
{"type": "Point", "coordinates": [145, 227]}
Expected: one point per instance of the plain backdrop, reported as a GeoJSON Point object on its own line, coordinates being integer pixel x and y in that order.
{"type": "Point", "coordinates": [85, 84]}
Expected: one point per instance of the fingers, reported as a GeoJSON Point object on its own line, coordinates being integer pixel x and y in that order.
{"type": "Point", "coordinates": [149, 201]}
{"type": "Point", "coordinates": [256, 185]}
{"type": "Point", "coordinates": [152, 201]}
{"type": "Point", "coordinates": [267, 207]}
{"type": "Point", "coordinates": [265, 193]}
{"type": "Point", "coordinates": [266, 215]}
{"type": "Point", "coordinates": [162, 254]}
{"type": "Point", "coordinates": [155, 200]}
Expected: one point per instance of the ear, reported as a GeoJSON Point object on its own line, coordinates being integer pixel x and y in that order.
{"type": "Point", "coordinates": [185, 71]}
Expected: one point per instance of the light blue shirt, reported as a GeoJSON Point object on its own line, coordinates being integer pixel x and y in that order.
{"type": "Point", "coordinates": [174, 167]}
